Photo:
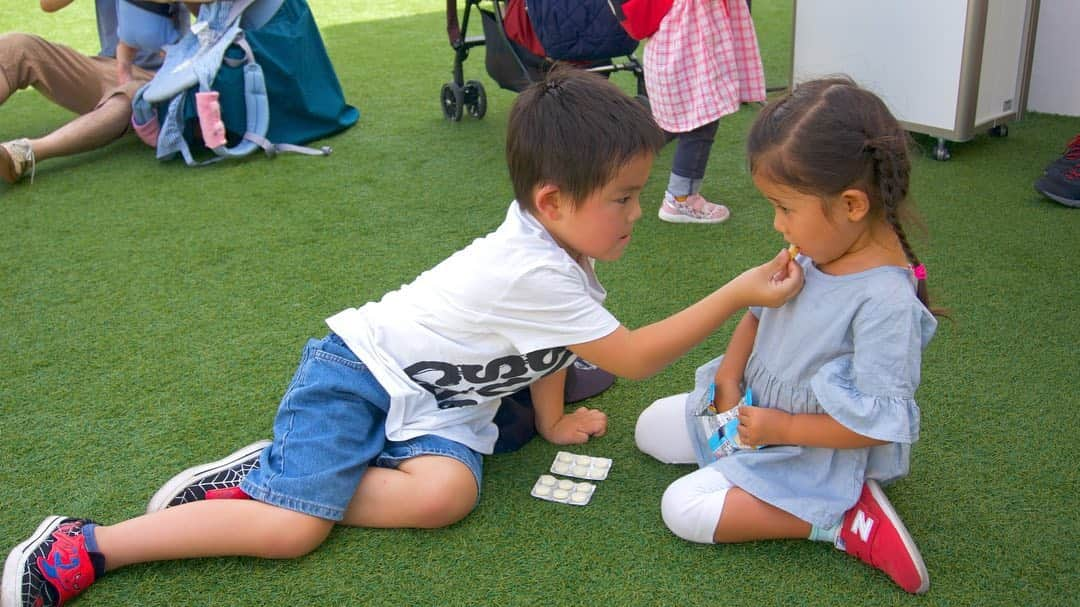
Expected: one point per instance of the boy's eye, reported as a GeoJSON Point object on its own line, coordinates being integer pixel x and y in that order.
{"type": "Point", "coordinates": [624, 200]}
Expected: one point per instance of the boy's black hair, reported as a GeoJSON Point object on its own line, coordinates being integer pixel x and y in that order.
{"type": "Point", "coordinates": [575, 130]}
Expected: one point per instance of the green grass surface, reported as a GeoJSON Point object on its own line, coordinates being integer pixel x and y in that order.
{"type": "Point", "coordinates": [151, 315]}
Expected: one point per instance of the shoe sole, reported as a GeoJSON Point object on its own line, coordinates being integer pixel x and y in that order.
{"type": "Point", "coordinates": [12, 580]}
{"type": "Point", "coordinates": [680, 218]}
{"type": "Point", "coordinates": [1075, 204]}
{"type": "Point", "coordinates": [7, 173]}
{"type": "Point", "coordinates": [168, 491]}
{"type": "Point", "coordinates": [909, 542]}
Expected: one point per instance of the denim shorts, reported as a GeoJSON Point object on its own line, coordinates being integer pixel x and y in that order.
{"type": "Point", "coordinates": [330, 426]}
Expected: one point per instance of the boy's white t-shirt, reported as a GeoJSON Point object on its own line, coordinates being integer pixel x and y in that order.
{"type": "Point", "coordinates": [489, 320]}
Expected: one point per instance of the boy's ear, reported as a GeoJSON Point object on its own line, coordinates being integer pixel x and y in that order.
{"type": "Point", "coordinates": [857, 204]}
{"type": "Point", "coordinates": [548, 201]}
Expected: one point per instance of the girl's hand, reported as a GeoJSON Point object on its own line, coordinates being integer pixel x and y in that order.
{"type": "Point", "coordinates": [576, 428]}
{"type": "Point", "coordinates": [727, 395]}
{"type": "Point", "coordinates": [760, 426]}
{"type": "Point", "coordinates": [772, 283]}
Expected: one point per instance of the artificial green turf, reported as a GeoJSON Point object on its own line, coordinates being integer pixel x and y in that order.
{"type": "Point", "coordinates": [151, 315]}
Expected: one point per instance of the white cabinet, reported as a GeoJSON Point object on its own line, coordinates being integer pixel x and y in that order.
{"type": "Point", "coordinates": [946, 68]}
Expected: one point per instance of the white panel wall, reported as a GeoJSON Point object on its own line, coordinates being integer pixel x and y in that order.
{"type": "Point", "coordinates": [1055, 69]}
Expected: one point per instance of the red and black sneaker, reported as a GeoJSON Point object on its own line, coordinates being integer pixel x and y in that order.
{"type": "Point", "coordinates": [1061, 184]}
{"type": "Point", "coordinates": [1068, 159]}
{"type": "Point", "coordinates": [217, 480]}
{"type": "Point", "coordinates": [50, 567]}
{"type": "Point", "coordinates": [873, 531]}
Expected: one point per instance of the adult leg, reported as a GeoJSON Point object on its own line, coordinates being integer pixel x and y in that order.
{"type": "Point", "coordinates": [87, 132]}
{"type": "Point", "coordinates": [63, 75]}
{"type": "Point", "coordinates": [85, 85]}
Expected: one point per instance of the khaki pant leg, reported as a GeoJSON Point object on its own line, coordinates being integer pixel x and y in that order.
{"type": "Point", "coordinates": [70, 79]}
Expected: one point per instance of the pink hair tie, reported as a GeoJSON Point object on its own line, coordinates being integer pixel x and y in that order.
{"type": "Point", "coordinates": [920, 271]}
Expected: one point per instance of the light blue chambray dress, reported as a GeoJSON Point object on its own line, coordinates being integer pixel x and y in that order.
{"type": "Point", "coordinates": [849, 346]}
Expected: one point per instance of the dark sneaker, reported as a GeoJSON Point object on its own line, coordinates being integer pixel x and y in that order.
{"type": "Point", "coordinates": [873, 531]}
{"type": "Point", "coordinates": [1068, 159]}
{"type": "Point", "coordinates": [216, 480]}
{"type": "Point", "coordinates": [1061, 185]}
{"type": "Point", "coordinates": [51, 567]}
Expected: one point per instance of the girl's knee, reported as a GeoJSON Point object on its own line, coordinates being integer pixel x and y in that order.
{"type": "Point", "coordinates": [689, 512]}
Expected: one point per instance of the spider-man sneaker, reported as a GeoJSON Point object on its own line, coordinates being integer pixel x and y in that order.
{"type": "Point", "coordinates": [216, 480]}
{"type": "Point", "coordinates": [50, 567]}
{"type": "Point", "coordinates": [873, 531]}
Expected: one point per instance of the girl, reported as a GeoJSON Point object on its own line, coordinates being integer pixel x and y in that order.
{"type": "Point", "coordinates": [700, 65]}
{"type": "Point", "coordinates": [834, 371]}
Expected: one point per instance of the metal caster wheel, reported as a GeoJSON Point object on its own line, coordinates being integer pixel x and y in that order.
{"type": "Point", "coordinates": [1001, 130]}
{"type": "Point", "coordinates": [941, 152]}
{"type": "Point", "coordinates": [453, 101]}
{"type": "Point", "coordinates": [475, 99]}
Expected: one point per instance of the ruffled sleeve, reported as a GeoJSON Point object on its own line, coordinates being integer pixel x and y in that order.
{"type": "Point", "coordinates": [872, 390]}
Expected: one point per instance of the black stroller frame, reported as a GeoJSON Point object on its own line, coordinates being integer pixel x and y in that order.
{"type": "Point", "coordinates": [510, 65]}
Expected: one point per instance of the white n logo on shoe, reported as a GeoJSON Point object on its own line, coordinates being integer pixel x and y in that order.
{"type": "Point", "coordinates": [861, 524]}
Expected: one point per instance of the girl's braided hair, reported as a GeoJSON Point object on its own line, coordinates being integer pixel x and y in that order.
{"type": "Point", "coordinates": [829, 135]}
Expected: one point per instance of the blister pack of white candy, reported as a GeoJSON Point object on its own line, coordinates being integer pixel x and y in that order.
{"type": "Point", "coordinates": [581, 466]}
{"type": "Point", "coordinates": [565, 491]}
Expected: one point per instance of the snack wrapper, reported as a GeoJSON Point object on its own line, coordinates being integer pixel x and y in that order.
{"type": "Point", "coordinates": [723, 428]}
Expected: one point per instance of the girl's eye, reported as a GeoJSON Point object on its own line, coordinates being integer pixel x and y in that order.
{"type": "Point", "coordinates": [624, 200]}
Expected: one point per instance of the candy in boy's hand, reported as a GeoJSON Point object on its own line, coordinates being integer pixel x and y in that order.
{"type": "Point", "coordinates": [793, 251]}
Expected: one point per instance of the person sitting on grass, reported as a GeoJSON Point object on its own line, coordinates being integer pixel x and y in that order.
{"type": "Point", "coordinates": [387, 418]}
{"type": "Point", "coordinates": [88, 86]}
{"type": "Point", "coordinates": [146, 26]}
{"type": "Point", "coordinates": [832, 373]}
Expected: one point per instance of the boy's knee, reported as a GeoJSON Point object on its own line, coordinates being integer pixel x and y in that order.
{"type": "Point", "coordinates": [295, 535]}
{"type": "Point", "coordinates": [451, 498]}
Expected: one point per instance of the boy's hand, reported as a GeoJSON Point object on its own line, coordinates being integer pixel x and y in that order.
{"type": "Point", "coordinates": [772, 283]}
{"type": "Point", "coordinates": [761, 426]}
{"type": "Point", "coordinates": [576, 428]}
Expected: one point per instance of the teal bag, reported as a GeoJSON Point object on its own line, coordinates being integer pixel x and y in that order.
{"type": "Point", "coordinates": [251, 74]}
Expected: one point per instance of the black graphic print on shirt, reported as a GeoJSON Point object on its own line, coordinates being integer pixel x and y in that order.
{"type": "Point", "coordinates": [468, 385]}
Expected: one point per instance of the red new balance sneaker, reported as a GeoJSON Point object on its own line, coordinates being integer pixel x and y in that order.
{"type": "Point", "coordinates": [873, 531]}
{"type": "Point", "coordinates": [50, 567]}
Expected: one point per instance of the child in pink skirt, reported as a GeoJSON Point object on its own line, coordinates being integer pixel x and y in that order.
{"type": "Point", "coordinates": [700, 65]}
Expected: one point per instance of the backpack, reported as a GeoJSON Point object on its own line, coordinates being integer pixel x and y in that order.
{"type": "Point", "coordinates": [249, 75]}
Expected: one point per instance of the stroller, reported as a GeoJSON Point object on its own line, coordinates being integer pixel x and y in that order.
{"type": "Point", "coordinates": [524, 39]}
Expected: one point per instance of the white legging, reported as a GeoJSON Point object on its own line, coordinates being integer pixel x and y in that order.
{"type": "Point", "coordinates": [691, 505]}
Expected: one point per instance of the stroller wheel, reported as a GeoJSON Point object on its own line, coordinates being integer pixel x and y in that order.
{"type": "Point", "coordinates": [475, 99]}
{"type": "Point", "coordinates": [453, 101]}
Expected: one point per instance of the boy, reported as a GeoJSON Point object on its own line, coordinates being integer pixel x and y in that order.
{"type": "Point", "coordinates": [386, 418]}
